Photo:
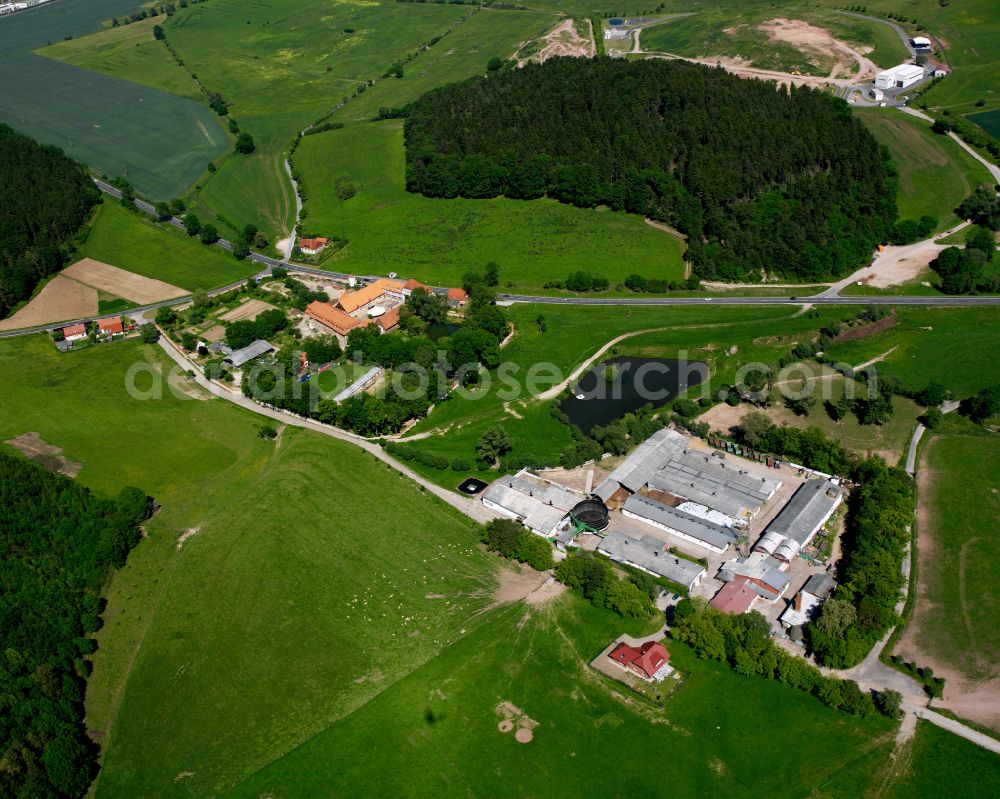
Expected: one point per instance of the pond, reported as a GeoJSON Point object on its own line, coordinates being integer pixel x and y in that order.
{"type": "Point", "coordinates": [617, 386]}
{"type": "Point", "coordinates": [434, 332]}
{"type": "Point", "coordinates": [472, 486]}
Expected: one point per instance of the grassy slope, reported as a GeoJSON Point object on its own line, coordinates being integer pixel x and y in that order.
{"type": "Point", "coordinates": [953, 346]}
{"type": "Point", "coordinates": [128, 51]}
{"type": "Point", "coordinates": [315, 590]}
{"type": "Point", "coordinates": [944, 766]}
{"type": "Point", "coordinates": [134, 242]}
{"type": "Point", "coordinates": [461, 54]}
{"type": "Point", "coordinates": [437, 730]}
{"type": "Point", "coordinates": [249, 638]}
{"type": "Point", "coordinates": [963, 632]}
{"type": "Point", "coordinates": [392, 230]}
{"type": "Point", "coordinates": [935, 174]}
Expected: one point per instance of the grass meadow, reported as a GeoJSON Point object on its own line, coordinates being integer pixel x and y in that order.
{"type": "Point", "coordinates": [130, 52]}
{"type": "Point", "coordinates": [437, 241]}
{"type": "Point", "coordinates": [935, 174]}
{"type": "Point", "coordinates": [459, 55]}
{"type": "Point", "coordinates": [954, 346]}
{"type": "Point", "coordinates": [132, 241]}
{"type": "Point", "coordinates": [944, 766]}
{"type": "Point", "coordinates": [436, 734]}
{"type": "Point", "coordinates": [959, 585]}
{"type": "Point", "coordinates": [281, 68]}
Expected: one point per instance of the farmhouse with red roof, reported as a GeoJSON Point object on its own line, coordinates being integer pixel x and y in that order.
{"type": "Point", "coordinates": [648, 661]}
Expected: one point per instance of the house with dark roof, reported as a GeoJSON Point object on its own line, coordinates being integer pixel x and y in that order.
{"type": "Point", "coordinates": [649, 661]}
{"type": "Point", "coordinates": [808, 601]}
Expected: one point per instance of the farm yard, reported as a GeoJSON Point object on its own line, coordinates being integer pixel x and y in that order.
{"type": "Point", "coordinates": [534, 242]}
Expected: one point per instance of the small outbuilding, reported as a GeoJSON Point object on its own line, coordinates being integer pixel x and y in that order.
{"type": "Point", "coordinates": [239, 358]}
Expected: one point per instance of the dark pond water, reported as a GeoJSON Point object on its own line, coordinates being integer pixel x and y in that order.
{"type": "Point", "coordinates": [472, 486]}
{"type": "Point", "coordinates": [434, 332]}
{"type": "Point", "coordinates": [597, 401]}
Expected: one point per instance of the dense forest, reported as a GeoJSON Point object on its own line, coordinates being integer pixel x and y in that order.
{"type": "Point", "coordinates": [757, 178]}
{"type": "Point", "coordinates": [58, 543]}
{"type": "Point", "coordinates": [46, 198]}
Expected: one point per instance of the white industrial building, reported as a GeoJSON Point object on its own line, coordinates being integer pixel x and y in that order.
{"type": "Point", "coordinates": [539, 505]}
{"type": "Point", "coordinates": [699, 531]}
{"type": "Point", "coordinates": [899, 77]}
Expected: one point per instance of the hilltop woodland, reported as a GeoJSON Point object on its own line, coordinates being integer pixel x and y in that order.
{"type": "Point", "coordinates": [58, 544]}
{"type": "Point", "coordinates": [785, 180]}
{"type": "Point", "coordinates": [47, 198]}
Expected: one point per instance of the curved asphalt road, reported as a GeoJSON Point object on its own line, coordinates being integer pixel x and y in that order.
{"type": "Point", "coordinates": [268, 263]}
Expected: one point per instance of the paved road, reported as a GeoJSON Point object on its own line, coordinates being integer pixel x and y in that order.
{"type": "Point", "coordinates": [911, 454]}
{"type": "Point", "coordinates": [472, 508]}
{"type": "Point", "coordinates": [266, 263]}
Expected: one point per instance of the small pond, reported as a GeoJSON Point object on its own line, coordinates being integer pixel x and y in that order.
{"type": "Point", "coordinates": [617, 386]}
{"type": "Point", "coordinates": [434, 332]}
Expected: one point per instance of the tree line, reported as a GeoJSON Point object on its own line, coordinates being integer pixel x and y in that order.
{"type": "Point", "coordinates": [59, 543]}
{"type": "Point", "coordinates": [47, 198]}
{"type": "Point", "coordinates": [756, 178]}
{"type": "Point", "coordinates": [744, 642]}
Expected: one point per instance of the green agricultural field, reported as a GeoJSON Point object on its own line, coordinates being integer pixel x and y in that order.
{"type": "Point", "coordinates": [161, 142]}
{"type": "Point", "coordinates": [950, 345]}
{"type": "Point", "coordinates": [461, 54]}
{"type": "Point", "coordinates": [134, 242]}
{"type": "Point", "coordinates": [436, 731]}
{"type": "Point", "coordinates": [390, 230]}
{"type": "Point", "coordinates": [944, 766]}
{"type": "Point", "coordinates": [935, 174]}
{"type": "Point", "coordinates": [958, 583]}
{"type": "Point", "coordinates": [128, 51]}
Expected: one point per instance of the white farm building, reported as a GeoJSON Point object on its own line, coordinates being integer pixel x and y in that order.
{"type": "Point", "coordinates": [900, 77]}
